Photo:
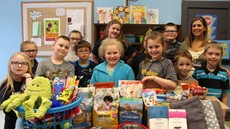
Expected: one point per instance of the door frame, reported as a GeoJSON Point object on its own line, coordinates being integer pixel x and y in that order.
{"type": "Point", "coordinates": [200, 4]}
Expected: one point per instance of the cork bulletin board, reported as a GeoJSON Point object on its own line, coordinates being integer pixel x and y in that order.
{"type": "Point", "coordinates": [42, 22]}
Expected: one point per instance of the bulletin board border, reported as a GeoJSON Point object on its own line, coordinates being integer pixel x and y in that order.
{"type": "Point", "coordinates": [88, 4]}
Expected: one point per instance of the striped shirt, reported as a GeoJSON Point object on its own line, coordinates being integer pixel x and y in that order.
{"type": "Point", "coordinates": [217, 81]}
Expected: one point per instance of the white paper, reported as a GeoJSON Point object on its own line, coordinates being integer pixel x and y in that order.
{"type": "Point", "coordinates": [60, 12]}
{"type": "Point", "coordinates": [152, 16]}
{"type": "Point", "coordinates": [158, 123]}
{"type": "Point", "coordinates": [104, 14]}
{"type": "Point", "coordinates": [75, 20]}
{"type": "Point", "coordinates": [38, 41]}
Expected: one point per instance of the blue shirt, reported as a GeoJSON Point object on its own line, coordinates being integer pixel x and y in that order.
{"type": "Point", "coordinates": [122, 71]}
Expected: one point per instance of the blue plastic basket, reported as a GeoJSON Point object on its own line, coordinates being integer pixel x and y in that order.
{"type": "Point", "coordinates": [58, 120]}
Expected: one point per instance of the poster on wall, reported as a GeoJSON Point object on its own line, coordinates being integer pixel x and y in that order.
{"type": "Point", "coordinates": [212, 24]}
{"type": "Point", "coordinates": [121, 13]}
{"type": "Point", "coordinates": [226, 48]}
{"type": "Point", "coordinates": [75, 20]}
{"type": "Point", "coordinates": [138, 14]}
{"type": "Point", "coordinates": [104, 14]}
{"type": "Point", "coordinates": [152, 16]}
{"type": "Point", "coordinates": [51, 30]}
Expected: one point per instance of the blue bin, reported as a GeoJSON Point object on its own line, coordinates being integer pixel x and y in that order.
{"type": "Point", "coordinates": [58, 114]}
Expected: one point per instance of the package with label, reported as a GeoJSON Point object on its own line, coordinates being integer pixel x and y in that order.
{"type": "Point", "coordinates": [177, 119]}
{"type": "Point", "coordinates": [105, 109]}
{"type": "Point", "coordinates": [85, 119]}
{"type": "Point", "coordinates": [131, 110]}
{"type": "Point", "coordinates": [130, 88]}
{"type": "Point", "coordinates": [158, 117]}
{"type": "Point", "coordinates": [149, 97]}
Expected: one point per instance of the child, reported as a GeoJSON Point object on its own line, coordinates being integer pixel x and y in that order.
{"type": "Point", "coordinates": [56, 66]}
{"type": "Point", "coordinates": [75, 36]}
{"type": "Point", "coordinates": [19, 74]}
{"type": "Point", "coordinates": [108, 103]}
{"type": "Point", "coordinates": [112, 69]}
{"type": "Point", "coordinates": [83, 67]}
{"type": "Point", "coordinates": [157, 71]}
{"type": "Point", "coordinates": [31, 50]}
{"type": "Point", "coordinates": [211, 75]}
{"type": "Point", "coordinates": [183, 66]}
{"type": "Point", "coordinates": [172, 45]}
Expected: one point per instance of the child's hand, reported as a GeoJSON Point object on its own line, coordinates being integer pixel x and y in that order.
{"type": "Point", "coordinates": [150, 82]}
{"type": "Point", "coordinates": [148, 78]}
{"type": "Point", "coordinates": [227, 71]}
{"type": "Point", "coordinates": [26, 75]}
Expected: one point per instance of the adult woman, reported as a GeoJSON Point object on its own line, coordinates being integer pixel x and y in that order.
{"type": "Point", "coordinates": [197, 39]}
{"type": "Point", "coordinates": [113, 30]}
{"type": "Point", "coordinates": [19, 74]}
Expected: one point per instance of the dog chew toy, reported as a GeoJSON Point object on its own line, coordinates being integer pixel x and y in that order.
{"type": "Point", "coordinates": [36, 95]}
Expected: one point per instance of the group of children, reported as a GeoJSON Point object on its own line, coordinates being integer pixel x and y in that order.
{"type": "Point", "coordinates": [72, 56]}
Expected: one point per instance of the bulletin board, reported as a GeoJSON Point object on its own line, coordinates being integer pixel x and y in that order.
{"type": "Point", "coordinates": [42, 22]}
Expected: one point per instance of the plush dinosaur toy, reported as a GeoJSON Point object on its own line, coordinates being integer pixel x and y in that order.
{"type": "Point", "coordinates": [36, 95]}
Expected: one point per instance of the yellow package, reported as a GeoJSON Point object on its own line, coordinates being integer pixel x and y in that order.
{"type": "Point", "coordinates": [106, 119]}
{"type": "Point", "coordinates": [105, 109]}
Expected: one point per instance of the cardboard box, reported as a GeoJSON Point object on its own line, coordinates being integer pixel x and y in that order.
{"type": "Point", "coordinates": [213, 98]}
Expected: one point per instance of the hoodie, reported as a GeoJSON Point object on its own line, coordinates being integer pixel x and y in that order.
{"type": "Point", "coordinates": [122, 71]}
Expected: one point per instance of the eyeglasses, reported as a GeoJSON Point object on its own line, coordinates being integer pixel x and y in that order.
{"type": "Point", "coordinates": [29, 51]}
{"type": "Point", "coordinates": [170, 31]}
{"type": "Point", "coordinates": [16, 63]}
{"type": "Point", "coordinates": [86, 51]}
{"type": "Point", "coordinates": [77, 39]}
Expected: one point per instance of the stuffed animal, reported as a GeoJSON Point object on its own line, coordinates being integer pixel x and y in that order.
{"type": "Point", "coordinates": [58, 88]}
{"type": "Point", "coordinates": [36, 95]}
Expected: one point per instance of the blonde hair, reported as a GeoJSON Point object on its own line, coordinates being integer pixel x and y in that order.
{"type": "Point", "coordinates": [182, 53]}
{"type": "Point", "coordinates": [108, 42]}
{"type": "Point", "coordinates": [214, 45]}
{"type": "Point", "coordinates": [27, 43]}
{"type": "Point", "coordinates": [9, 77]}
{"type": "Point", "coordinates": [62, 37]}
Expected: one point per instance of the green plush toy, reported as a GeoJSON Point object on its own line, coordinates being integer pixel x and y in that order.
{"type": "Point", "coordinates": [36, 95]}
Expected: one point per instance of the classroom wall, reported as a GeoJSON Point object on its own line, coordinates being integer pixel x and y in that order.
{"type": "Point", "coordinates": [169, 10]}
{"type": "Point", "coordinates": [11, 30]}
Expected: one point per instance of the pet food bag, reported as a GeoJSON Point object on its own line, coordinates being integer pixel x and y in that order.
{"type": "Point", "coordinates": [85, 119]}
{"type": "Point", "coordinates": [131, 110]}
{"type": "Point", "coordinates": [105, 109]}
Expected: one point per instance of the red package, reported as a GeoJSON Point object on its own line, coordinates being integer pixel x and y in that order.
{"type": "Point", "coordinates": [200, 91]}
{"type": "Point", "coordinates": [104, 84]}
